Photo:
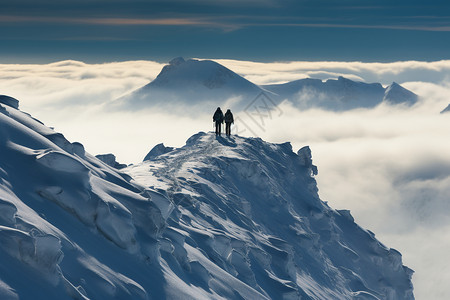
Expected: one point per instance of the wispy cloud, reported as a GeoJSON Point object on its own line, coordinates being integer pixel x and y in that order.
{"type": "Point", "coordinates": [385, 73]}
{"type": "Point", "coordinates": [411, 27]}
{"type": "Point", "coordinates": [151, 21]}
{"type": "Point", "coordinates": [230, 22]}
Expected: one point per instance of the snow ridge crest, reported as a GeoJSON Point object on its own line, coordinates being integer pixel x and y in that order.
{"type": "Point", "coordinates": [220, 218]}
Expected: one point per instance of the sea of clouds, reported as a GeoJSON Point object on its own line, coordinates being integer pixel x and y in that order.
{"type": "Point", "coordinates": [389, 165]}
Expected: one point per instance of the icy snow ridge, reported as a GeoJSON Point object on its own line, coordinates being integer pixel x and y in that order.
{"type": "Point", "coordinates": [65, 216]}
{"type": "Point", "coordinates": [252, 210]}
{"type": "Point", "coordinates": [220, 218]}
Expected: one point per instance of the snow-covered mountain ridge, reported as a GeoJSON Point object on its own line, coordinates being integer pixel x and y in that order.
{"type": "Point", "coordinates": [192, 83]}
{"type": "Point", "coordinates": [220, 218]}
{"type": "Point", "coordinates": [341, 94]}
{"type": "Point", "coordinates": [258, 216]}
{"type": "Point", "coordinates": [205, 83]}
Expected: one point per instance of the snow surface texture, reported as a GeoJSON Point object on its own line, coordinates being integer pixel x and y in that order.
{"type": "Point", "coordinates": [157, 150]}
{"type": "Point", "coordinates": [220, 218]}
{"type": "Point", "coordinates": [10, 101]}
{"type": "Point", "coordinates": [197, 82]}
{"type": "Point", "coordinates": [110, 160]}
{"type": "Point", "coordinates": [253, 210]}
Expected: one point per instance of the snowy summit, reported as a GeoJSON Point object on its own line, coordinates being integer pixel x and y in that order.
{"type": "Point", "coordinates": [220, 218]}
{"type": "Point", "coordinates": [192, 82]}
{"type": "Point", "coordinates": [202, 84]}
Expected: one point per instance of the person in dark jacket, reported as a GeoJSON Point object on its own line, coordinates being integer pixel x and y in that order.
{"type": "Point", "coordinates": [228, 121]}
{"type": "Point", "coordinates": [218, 119]}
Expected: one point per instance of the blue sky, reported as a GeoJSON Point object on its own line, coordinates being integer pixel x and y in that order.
{"type": "Point", "coordinates": [264, 30]}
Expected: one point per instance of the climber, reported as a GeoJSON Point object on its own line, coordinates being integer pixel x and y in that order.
{"type": "Point", "coordinates": [228, 121]}
{"type": "Point", "coordinates": [218, 119]}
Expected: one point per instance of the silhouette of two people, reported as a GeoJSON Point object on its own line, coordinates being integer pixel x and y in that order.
{"type": "Point", "coordinates": [219, 118]}
{"type": "Point", "coordinates": [228, 121]}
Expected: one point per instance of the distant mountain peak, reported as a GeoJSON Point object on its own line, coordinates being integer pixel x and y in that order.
{"type": "Point", "coordinates": [188, 82]}
{"type": "Point", "coordinates": [177, 61]}
{"type": "Point", "coordinates": [180, 72]}
{"type": "Point", "coordinates": [204, 84]}
{"type": "Point", "coordinates": [395, 94]}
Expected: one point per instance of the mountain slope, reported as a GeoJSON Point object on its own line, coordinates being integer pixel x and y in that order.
{"type": "Point", "coordinates": [71, 227]}
{"type": "Point", "coordinates": [396, 94]}
{"type": "Point", "coordinates": [191, 82]}
{"type": "Point", "coordinates": [202, 84]}
{"type": "Point", "coordinates": [219, 218]}
{"type": "Point", "coordinates": [253, 208]}
{"type": "Point", "coordinates": [340, 94]}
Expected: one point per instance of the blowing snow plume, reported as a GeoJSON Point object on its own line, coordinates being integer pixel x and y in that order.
{"type": "Point", "coordinates": [220, 218]}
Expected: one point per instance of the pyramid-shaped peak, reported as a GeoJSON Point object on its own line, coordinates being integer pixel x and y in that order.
{"type": "Point", "coordinates": [395, 94]}
{"type": "Point", "coordinates": [177, 61]}
{"type": "Point", "coordinates": [395, 86]}
{"type": "Point", "coordinates": [200, 76]}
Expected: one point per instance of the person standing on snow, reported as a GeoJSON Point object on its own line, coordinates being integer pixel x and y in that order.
{"type": "Point", "coordinates": [218, 119]}
{"type": "Point", "coordinates": [228, 121]}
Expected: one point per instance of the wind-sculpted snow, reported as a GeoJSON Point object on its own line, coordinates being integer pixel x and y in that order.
{"type": "Point", "coordinates": [10, 101]}
{"type": "Point", "coordinates": [70, 225]}
{"type": "Point", "coordinates": [220, 218]}
{"type": "Point", "coordinates": [253, 211]}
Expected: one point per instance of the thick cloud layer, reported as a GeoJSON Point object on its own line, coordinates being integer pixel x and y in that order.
{"type": "Point", "coordinates": [389, 165]}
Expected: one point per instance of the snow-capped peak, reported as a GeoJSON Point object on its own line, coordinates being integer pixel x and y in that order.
{"type": "Point", "coordinates": [194, 73]}
{"type": "Point", "coordinates": [193, 82]}
{"type": "Point", "coordinates": [176, 61]}
{"type": "Point", "coordinates": [199, 84]}
{"type": "Point", "coordinates": [396, 94]}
